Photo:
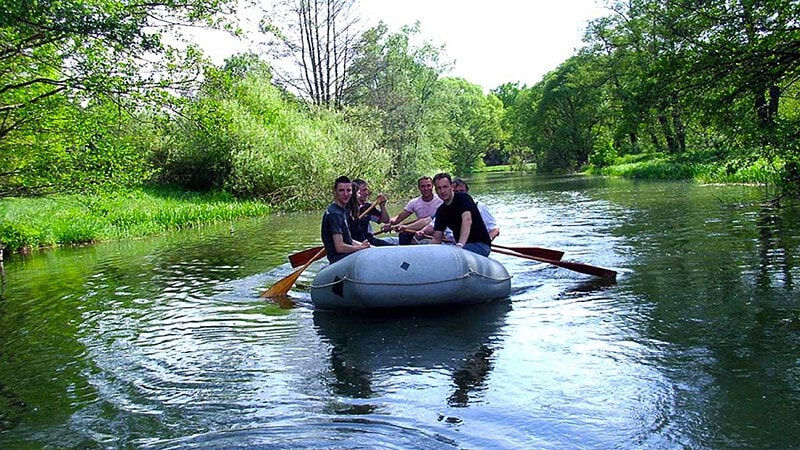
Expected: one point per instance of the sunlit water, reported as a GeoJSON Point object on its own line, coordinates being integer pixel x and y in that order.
{"type": "Point", "coordinates": [164, 343]}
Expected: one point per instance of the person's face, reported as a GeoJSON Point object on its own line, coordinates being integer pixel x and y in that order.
{"type": "Point", "coordinates": [426, 188]}
{"type": "Point", "coordinates": [363, 193]}
{"type": "Point", "coordinates": [343, 192]}
{"type": "Point", "coordinates": [444, 189]}
{"type": "Point", "coordinates": [459, 188]}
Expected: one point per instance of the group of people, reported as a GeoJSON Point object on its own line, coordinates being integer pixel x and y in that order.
{"type": "Point", "coordinates": [450, 216]}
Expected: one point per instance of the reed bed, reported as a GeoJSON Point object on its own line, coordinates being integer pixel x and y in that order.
{"type": "Point", "coordinates": [33, 223]}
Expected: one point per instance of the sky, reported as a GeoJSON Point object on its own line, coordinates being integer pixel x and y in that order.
{"type": "Point", "coordinates": [497, 41]}
{"type": "Point", "coordinates": [491, 42]}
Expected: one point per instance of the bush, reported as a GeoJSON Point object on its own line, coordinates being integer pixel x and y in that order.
{"type": "Point", "coordinates": [252, 142]}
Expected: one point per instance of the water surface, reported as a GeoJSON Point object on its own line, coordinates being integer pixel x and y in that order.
{"type": "Point", "coordinates": [164, 343]}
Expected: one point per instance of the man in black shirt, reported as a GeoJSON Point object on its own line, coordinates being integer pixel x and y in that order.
{"type": "Point", "coordinates": [336, 224]}
{"type": "Point", "coordinates": [459, 213]}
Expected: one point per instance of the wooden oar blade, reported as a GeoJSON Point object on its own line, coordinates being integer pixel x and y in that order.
{"type": "Point", "coordinates": [577, 267]}
{"type": "Point", "coordinates": [282, 287]}
{"type": "Point", "coordinates": [539, 252]}
{"type": "Point", "coordinates": [300, 258]}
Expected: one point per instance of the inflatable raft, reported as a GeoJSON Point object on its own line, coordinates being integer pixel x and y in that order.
{"type": "Point", "coordinates": [409, 276]}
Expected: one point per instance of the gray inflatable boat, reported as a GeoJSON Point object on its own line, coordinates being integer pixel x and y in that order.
{"type": "Point", "coordinates": [409, 276]}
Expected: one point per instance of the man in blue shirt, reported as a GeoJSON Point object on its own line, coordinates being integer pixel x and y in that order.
{"type": "Point", "coordinates": [336, 223]}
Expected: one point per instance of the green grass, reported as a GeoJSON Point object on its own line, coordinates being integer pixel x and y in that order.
{"type": "Point", "coordinates": [657, 166]}
{"type": "Point", "coordinates": [28, 223]}
{"type": "Point", "coordinates": [503, 168]}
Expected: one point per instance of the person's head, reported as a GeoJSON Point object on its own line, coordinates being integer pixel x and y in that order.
{"type": "Point", "coordinates": [444, 186]}
{"type": "Point", "coordinates": [425, 186]}
{"type": "Point", "coordinates": [362, 191]}
{"type": "Point", "coordinates": [342, 190]}
{"type": "Point", "coordinates": [353, 205]}
{"type": "Point", "coordinates": [459, 185]}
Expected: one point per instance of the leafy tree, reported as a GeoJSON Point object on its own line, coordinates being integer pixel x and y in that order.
{"type": "Point", "coordinates": [398, 81]}
{"type": "Point", "coordinates": [517, 120]}
{"type": "Point", "coordinates": [473, 122]}
{"type": "Point", "coordinates": [58, 57]}
{"type": "Point", "coordinates": [246, 136]}
{"type": "Point", "coordinates": [713, 74]}
{"type": "Point", "coordinates": [568, 114]}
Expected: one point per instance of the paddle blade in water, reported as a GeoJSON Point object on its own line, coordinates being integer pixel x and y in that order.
{"type": "Point", "coordinates": [282, 287]}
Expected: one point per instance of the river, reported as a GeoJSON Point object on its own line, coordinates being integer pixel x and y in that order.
{"type": "Point", "coordinates": [164, 343]}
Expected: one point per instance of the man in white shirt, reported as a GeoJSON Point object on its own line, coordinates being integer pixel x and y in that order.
{"type": "Point", "coordinates": [459, 185]}
{"type": "Point", "coordinates": [423, 207]}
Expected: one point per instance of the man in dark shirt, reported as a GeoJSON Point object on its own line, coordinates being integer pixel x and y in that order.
{"type": "Point", "coordinates": [335, 224]}
{"type": "Point", "coordinates": [459, 213]}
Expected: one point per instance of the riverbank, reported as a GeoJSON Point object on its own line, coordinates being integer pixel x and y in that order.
{"type": "Point", "coordinates": [658, 166]}
{"type": "Point", "coordinates": [32, 223]}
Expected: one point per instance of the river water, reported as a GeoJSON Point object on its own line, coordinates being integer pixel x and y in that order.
{"type": "Point", "coordinates": [163, 343]}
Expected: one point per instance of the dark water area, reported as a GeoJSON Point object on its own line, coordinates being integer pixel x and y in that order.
{"type": "Point", "coordinates": [164, 343]}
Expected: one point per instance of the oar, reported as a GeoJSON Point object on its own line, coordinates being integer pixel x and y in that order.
{"type": "Point", "coordinates": [302, 257]}
{"type": "Point", "coordinates": [281, 288]}
{"type": "Point", "coordinates": [577, 267]}
{"type": "Point", "coordinates": [538, 252]}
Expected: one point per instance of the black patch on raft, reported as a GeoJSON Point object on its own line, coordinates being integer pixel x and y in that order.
{"type": "Point", "coordinates": [405, 265]}
{"type": "Point", "coordinates": [338, 287]}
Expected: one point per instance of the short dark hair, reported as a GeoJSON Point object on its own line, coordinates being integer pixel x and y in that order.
{"type": "Point", "coordinates": [462, 182]}
{"type": "Point", "coordinates": [424, 177]}
{"type": "Point", "coordinates": [441, 175]}
{"type": "Point", "coordinates": [359, 182]}
{"type": "Point", "coordinates": [341, 179]}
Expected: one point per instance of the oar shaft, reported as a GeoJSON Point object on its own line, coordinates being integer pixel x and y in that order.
{"type": "Point", "coordinates": [577, 267]}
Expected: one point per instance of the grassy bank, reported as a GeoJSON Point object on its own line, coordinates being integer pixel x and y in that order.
{"type": "Point", "coordinates": [657, 166]}
{"type": "Point", "coordinates": [69, 220]}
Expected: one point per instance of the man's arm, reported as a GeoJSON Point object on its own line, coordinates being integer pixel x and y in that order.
{"type": "Point", "coordinates": [384, 214]}
{"type": "Point", "coordinates": [342, 247]}
{"type": "Point", "coordinates": [415, 225]}
{"type": "Point", "coordinates": [437, 237]}
{"type": "Point", "coordinates": [466, 225]}
{"type": "Point", "coordinates": [401, 216]}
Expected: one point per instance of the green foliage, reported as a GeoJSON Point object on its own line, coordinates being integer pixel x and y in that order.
{"type": "Point", "coordinates": [519, 158]}
{"type": "Point", "coordinates": [397, 82]}
{"type": "Point", "coordinates": [603, 156]}
{"type": "Point", "coordinates": [69, 72]}
{"type": "Point", "coordinates": [68, 220]}
{"type": "Point", "coordinates": [75, 149]}
{"type": "Point", "coordinates": [243, 136]}
{"type": "Point", "coordinates": [568, 112]}
{"type": "Point", "coordinates": [473, 122]}
{"type": "Point", "coordinates": [713, 88]}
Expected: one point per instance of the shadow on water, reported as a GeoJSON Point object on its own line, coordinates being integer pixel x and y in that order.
{"type": "Point", "coordinates": [365, 348]}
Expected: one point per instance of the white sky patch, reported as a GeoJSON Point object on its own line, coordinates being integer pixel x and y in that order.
{"type": "Point", "coordinates": [490, 42]}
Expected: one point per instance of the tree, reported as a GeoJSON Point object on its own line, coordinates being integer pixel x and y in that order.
{"type": "Point", "coordinates": [57, 57]}
{"type": "Point", "coordinates": [397, 81]}
{"type": "Point", "coordinates": [474, 122]}
{"type": "Point", "coordinates": [565, 126]}
{"type": "Point", "coordinates": [319, 36]}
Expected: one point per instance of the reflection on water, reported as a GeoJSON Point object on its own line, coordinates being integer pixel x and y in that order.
{"type": "Point", "coordinates": [369, 346]}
